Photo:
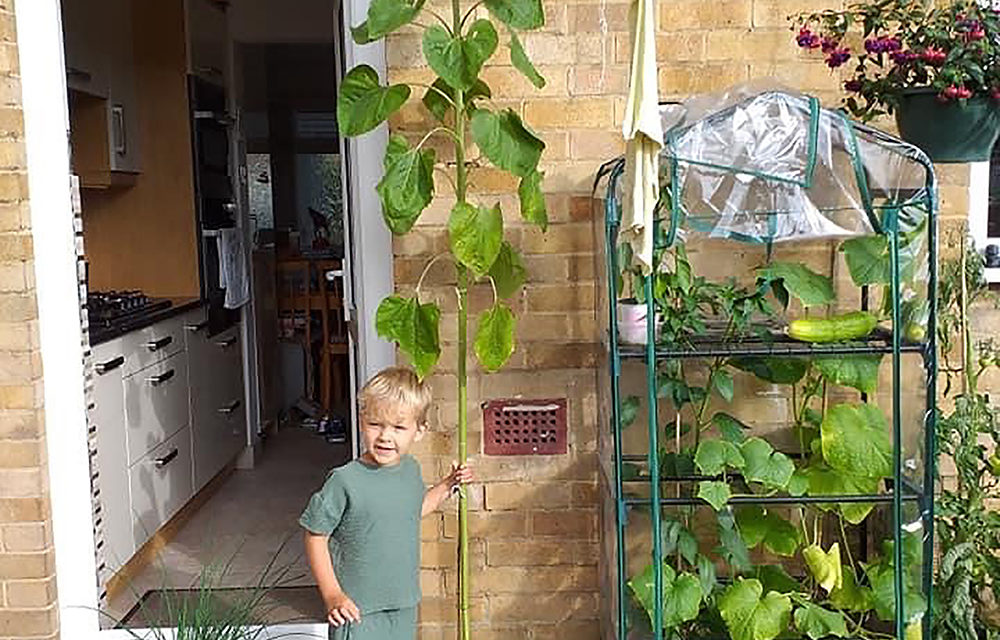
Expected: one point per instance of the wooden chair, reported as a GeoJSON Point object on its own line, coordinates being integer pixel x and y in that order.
{"type": "Point", "coordinates": [307, 287]}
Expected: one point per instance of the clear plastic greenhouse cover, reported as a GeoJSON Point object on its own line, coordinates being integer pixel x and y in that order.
{"type": "Point", "coordinates": [761, 164]}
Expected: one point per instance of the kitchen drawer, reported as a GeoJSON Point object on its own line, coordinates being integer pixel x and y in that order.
{"type": "Point", "coordinates": [156, 404]}
{"type": "Point", "coordinates": [153, 344]}
{"type": "Point", "coordinates": [160, 484]}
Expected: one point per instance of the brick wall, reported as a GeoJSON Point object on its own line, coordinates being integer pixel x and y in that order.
{"type": "Point", "coordinates": [535, 543]}
{"type": "Point", "coordinates": [27, 581]}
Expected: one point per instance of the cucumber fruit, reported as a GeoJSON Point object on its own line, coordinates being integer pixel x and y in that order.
{"type": "Point", "coordinates": [848, 326]}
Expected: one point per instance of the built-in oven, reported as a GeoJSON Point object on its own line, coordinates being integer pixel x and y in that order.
{"type": "Point", "coordinates": [211, 127]}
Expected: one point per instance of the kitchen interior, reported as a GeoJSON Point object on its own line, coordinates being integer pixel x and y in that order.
{"type": "Point", "coordinates": [211, 214]}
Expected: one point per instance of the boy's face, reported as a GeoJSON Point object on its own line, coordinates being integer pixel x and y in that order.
{"type": "Point", "coordinates": [389, 432]}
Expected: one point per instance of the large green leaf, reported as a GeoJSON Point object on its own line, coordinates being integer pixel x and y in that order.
{"type": "Point", "coordinates": [458, 60]}
{"type": "Point", "coordinates": [508, 144]}
{"type": "Point", "coordinates": [765, 465]}
{"type": "Point", "coordinates": [706, 574]}
{"type": "Point", "coordinates": [749, 616]}
{"type": "Point", "coordinates": [773, 577]}
{"type": "Point", "coordinates": [817, 622]}
{"type": "Point", "coordinates": [825, 566]}
{"type": "Point", "coordinates": [713, 456]}
{"type": "Point", "coordinates": [440, 106]}
{"type": "Point", "coordinates": [882, 580]}
{"type": "Point", "coordinates": [824, 481]}
{"type": "Point", "coordinates": [476, 235]}
{"type": "Point", "coordinates": [681, 598]}
{"type": "Point", "coordinates": [384, 17]}
{"type": "Point", "coordinates": [867, 259]}
{"type": "Point", "coordinates": [495, 337]}
{"type": "Point", "coordinates": [850, 596]}
{"type": "Point", "coordinates": [414, 327]}
{"type": "Point", "coordinates": [857, 371]}
{"type": "Point", "coordinates": [855, 440]}
{"type": "Point", "coordinates": [772, 368]}
{"type": "Point", "coordinates": [529, 193]}
{"type": "Point", "coordinates": [677, 537]}
{"type": "Point", "coordinates": [520, 14]}
{"type": "Point", "coordinates": [722, 382]}
{"type": "Point", "coordinates": [507, 271]}
{"type": "Point", "coordinates": [408, 184]}
{"type": "Point", "coordinates": [759, 526]}
{"type": "Point", "coordinates": [732, 547]}
{"type": "Point", "coordinates": [799, 280]}
{"type": "Point", "coordinates": [363, 103]}
{"type": "Point", "coordinates": [520, 60]}
{"type": "Point", "coordinates": [731, 429]}
{"type": "Point", "coordinates": [714, 493]}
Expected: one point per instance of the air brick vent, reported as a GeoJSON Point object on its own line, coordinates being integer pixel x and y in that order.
{"type": "Point", "coordinates": [518, 427]}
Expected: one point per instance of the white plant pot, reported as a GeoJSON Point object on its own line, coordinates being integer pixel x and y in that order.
{"type": "Point", "coordinates": [632, 323]}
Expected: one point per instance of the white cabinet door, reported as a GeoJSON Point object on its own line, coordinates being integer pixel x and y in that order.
{"type": "Point", "coordinates": [85, 36]}
{"type": "Point", "coordinates": [160, 484]}
{"type": "Point", "coordinates": [107, 417]}
{"type": "Point", "coordinates": [123, 120]}
{"type": "Point", "coordinates": [156, 404]}
{"type": "Point", "coordinates": [153, 344]}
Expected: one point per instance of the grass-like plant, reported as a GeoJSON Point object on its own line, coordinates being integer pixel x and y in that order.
{"type": "Point", "coordinates": [455, 47]}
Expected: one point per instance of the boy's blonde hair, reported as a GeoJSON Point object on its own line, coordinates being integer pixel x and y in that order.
{"type": "Point", "coordinates": [397, 386]}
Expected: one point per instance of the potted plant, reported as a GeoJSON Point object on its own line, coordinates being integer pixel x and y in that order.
{"type": "Point", "coordinates": [936, 68]}
{"type": "Point", "coordinates": [456, 45]}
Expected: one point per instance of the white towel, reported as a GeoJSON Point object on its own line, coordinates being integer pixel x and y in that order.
{"type": "Point", "coordinates": [233, 274]}
{"type": "Point", "coordinates": [643, 135]}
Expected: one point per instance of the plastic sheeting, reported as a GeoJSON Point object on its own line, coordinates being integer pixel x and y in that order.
{"type": "Point", "coordinates": [763, 165]}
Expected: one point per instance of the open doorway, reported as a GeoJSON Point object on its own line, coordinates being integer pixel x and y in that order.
{"type": "Point", "coordinates": [225, 352]}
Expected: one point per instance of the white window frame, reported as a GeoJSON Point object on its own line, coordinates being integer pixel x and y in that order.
{"type": "Point", "coordinates": [46, 119]}
{"type": "Point", "coordinates": [979, 209]}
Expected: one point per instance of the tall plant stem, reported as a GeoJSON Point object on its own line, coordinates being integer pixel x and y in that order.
{"type": "Point", "coordinates": [969, 378]}
{"type": "Point", "coordinates": [461, 188]}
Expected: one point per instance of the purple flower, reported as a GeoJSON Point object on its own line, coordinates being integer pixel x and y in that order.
{"type": "Point", "coordinates": [883, 44]}
{"type": "Point", "coordinates": [904, 57]}
{"type": "Point", "coordinates": [807, 39]}
{"type": "Point", "coordinates": [837, 57]}
{"type": "Point", "coordinates": [854, 86]}
{"type": "Point", "coordinates": [828, 45]}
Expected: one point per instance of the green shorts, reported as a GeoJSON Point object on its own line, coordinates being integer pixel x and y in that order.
{"type": "Point", "coordinates": [392, 624]}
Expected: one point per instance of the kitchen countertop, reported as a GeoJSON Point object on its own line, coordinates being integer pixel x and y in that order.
{"type": "Point", "coordinates": [100, 335]}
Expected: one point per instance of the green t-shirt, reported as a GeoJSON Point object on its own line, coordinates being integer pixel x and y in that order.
{"type": "Point", "coordinates": [372, 515]}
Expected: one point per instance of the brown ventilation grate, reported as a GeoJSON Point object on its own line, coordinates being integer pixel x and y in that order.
{"type": "Point", "coordinates": [515, 427]}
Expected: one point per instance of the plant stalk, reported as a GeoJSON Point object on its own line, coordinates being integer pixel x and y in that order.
{"type": "Point", "coordinates": [969, 378]}
{"type": "Point", "coordinates": [461, 188]}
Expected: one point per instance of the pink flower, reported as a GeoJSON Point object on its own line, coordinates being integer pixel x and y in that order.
{"type": "Point", "coordinates": [995, 93]}
{"type": "Point", "coordinates": [807, 39]}
{"type": "Point", "coordinates": [963, 93]}
{"type": "Point", "coordinates": [934, 56]}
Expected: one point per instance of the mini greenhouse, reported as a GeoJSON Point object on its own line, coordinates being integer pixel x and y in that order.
{"type": "Point", "coordinates": [768, 467]}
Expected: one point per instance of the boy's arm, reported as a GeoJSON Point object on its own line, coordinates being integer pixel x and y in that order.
{"type": "Point", "coordinates": [340, 608]}
{"type": "Point", "coordinates": [460, 474]}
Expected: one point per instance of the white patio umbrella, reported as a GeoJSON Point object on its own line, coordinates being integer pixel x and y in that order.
{"type": "Point", "coordinates": [643, 136]}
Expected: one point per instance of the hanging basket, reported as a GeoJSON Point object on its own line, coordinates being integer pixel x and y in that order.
{"type": "Point", "coordinates": [949, 131]}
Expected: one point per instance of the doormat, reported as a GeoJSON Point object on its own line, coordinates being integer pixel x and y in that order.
{"type": "Point", "coordinates": [280, 605]}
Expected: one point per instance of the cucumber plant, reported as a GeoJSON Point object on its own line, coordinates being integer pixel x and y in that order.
{"type": "Point", "coordinates": [455, 47]}
{"type": "Point", "coordinates": [843, 447]}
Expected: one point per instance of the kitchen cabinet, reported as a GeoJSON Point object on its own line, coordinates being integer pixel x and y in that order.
{"type": "Point", "coordinates": [217, 407]}
{"type": "Point", "coordinates": [156, 400]}
{"type": "Point", "coordinates": [160, 483]}
{"type": "Point", "coordinates": [106, 415]}
{"type": "Point", "coordinates": [100, 73]}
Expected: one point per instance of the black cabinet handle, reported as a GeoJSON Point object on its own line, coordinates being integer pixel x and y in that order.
{"type": "Point", "coordinates": [165, 460]}
{"type": "Point", "coordinates": [230, 408]}
{"type": "Point", "coordinates": [160, 379]}
{"type": "Point", "coordinates": [226, 343]}
{"type": "Point", "coordinates": [110, 365]}
{"type": "Point", "coordinates": [156, 345]}
{"type": "Point", "coordinates": [196, 327]}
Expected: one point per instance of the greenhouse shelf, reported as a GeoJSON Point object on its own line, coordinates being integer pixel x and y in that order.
{"type": "Point", "coordinates": [764, 456]}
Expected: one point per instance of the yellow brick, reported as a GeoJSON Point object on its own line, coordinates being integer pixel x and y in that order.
{"type": "Point", "coordinates": [500, 553]}
{"type": "Point", "coordinates": [577, 630]}
{"type": "Point", "coordinates": [567, 525]}
{"type": "Point", "coordinates": [559, 356]}
{"type": "Point", "coordinates": [557, 607]}
{"type": "Point", "coordinates": [517, 495]}
{"type": "Point", "coordinates": [21, 454]}
{"type": "Point", "coordinates": [598, 80]}
{"type": "Point", "coordinates": [26, 565]}
{"type": "Point", "coordinates": [445, 609]}
{"type": "Point", "coordinates": [541, 579]}
{"type": "Point", "coordinates": [431, 583]}
{"type": "Point", "coordinates": [32, 594]}
{"type": "Point", "coordinates": [775, 13]}
{"type": "Point", "coordinates": [808, 75]}
{"type": "Point", "coordinates": [14, 217]}
{"type": "Point", "coordinates": [27, 623]}
{"type": "Point", "coordinates": [404, 50]}
{"type": "Point", "coordinates": [755, 45]}
{"type": "Point", "coordinates": [489, 524]}
{"type": "Point", "coordinates": [18, 425]}
{"type": "Point", "coordinates": [610, 16]}
{"type": "Point", "coordinates": [26, 537]}
{"type": "Point", "coordinates": [565, 114]}
{"type": "Point", "coordinates": [13, 187]}
{"type": "Point", "coordinates": [677, 15]}
{"type": "Point", "coordinates": [566, 238]}
{"type": "Point", "coordinates": [683, 80]}
{"type": "Point", "coordinates": [21, 483]}
{"type": "Point", "coordinates": [596, 145]}
{"type": "Point", "coordinates": [18, 510]}
{"type": "Point", "coordinates": [547, 49]}
{"type": "Point", "coordinates": [22, 396]}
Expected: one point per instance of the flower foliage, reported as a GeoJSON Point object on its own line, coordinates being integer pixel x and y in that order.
{"type": "Point", "coordinates": [952, 50]}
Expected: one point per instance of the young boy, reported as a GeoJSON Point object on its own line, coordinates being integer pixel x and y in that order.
{"type": "Point", "coordinates": [363, 527]}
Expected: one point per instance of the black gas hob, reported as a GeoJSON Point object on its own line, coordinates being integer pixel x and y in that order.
{"type": "Point", "coordinates": [112, 313]}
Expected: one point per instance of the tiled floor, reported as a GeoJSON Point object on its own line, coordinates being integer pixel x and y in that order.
{"type": "Point", "coordinates": [250, 522]}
